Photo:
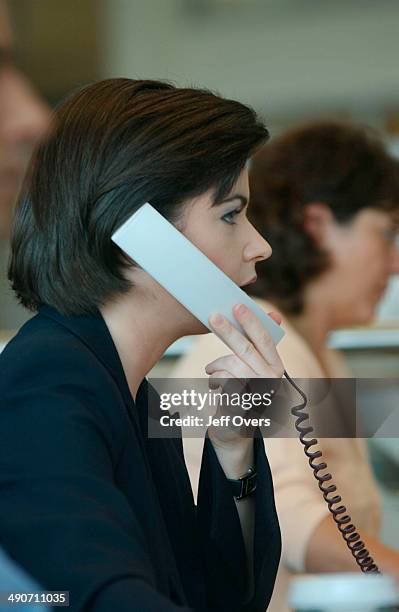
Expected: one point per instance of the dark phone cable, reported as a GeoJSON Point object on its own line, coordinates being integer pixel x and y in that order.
{"type": "Point", "coordinates": [339, 514]}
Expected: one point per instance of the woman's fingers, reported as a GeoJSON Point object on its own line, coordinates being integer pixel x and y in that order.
{"type": "Point", "coordinates": [276, 316]}
{"type": "Point", "coordinates": [257, 350]}
{"type": "Point", "coordinates": [260, 337]}
{"type": "Point", "coordinates": [231, 364]}
{"type": "Point", "coordinates": [238, 343]}
{"type": "Point", "coordinates": [216, 379]}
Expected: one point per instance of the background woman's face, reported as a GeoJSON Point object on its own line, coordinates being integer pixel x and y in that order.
{"type": "Point", "coordinates": [363, 255]}
{"type": "Point", "coordinates": [224, 233]}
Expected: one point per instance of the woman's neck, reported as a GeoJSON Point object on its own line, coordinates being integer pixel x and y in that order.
{"type": "Point", "coordinates": [142, 329]}
{"type": "Point", "coordinates": [316, 320]}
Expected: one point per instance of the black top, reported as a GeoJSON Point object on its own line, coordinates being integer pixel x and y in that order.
{"type": "Point", "coordinates": [90, 505]}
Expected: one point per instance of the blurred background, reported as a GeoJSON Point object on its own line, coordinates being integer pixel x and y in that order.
{"type": "Point", "coordinates": [290, 59]}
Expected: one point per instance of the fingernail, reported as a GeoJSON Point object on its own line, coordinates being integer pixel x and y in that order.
{"type": "Point", "coordinates": [216, 319]}
{"type": "Point", "coordinates": [241, 309]}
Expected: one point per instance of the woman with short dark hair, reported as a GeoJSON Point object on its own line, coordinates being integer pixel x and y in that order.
{"type": "Point", "coordinates": [88, 503]}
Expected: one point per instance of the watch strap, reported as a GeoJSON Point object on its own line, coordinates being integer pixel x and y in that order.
{"type": "Point", "coordinates": [245, 485]}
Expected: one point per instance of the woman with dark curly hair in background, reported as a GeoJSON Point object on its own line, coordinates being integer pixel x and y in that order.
{"type": "Point", "coordinates": [326, 196]}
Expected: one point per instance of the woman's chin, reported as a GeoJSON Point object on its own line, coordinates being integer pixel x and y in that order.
{"type": "Point", "coordinates": [361, 317]}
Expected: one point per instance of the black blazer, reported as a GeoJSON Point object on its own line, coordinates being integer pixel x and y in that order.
{"type": "Point", "coordinates": [90, 505]}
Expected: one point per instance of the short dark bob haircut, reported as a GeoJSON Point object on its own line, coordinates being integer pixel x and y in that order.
{"type": "Point", "coordinates": [342, 165]}
{"type": "Point", "coordinates": [115, 145]}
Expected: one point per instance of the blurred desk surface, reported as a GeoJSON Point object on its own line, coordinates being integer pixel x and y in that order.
{"type": "Point", "coordinates": [379, 335]}
{"type": "Point", "coordinates": [371, 352]}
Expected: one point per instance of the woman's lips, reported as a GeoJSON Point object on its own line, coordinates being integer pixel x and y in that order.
{"type": "Point", "coordinates": [252, 280]}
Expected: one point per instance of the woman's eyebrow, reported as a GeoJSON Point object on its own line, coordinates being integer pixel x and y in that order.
{"type": "Point", "coordinates": [237, 196]}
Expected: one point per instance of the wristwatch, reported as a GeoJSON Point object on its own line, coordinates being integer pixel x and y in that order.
{"type": "Point", "coordinates": [245, 485]}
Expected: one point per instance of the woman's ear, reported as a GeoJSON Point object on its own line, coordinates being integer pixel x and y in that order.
{"type": "Point", "coordinates": [318, 220]}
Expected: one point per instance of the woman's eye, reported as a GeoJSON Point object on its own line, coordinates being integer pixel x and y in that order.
{"type": "Point", "coordinates": [229, 217]}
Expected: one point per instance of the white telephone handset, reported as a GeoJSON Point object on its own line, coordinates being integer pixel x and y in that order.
{"type": "Point", "coordinates": [183, 270]}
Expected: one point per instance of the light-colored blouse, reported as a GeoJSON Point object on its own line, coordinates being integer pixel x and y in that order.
{"type": "Point", "coordinates": [299, 503]}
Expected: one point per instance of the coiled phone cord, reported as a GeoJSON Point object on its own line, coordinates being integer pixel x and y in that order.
{"type": "Point", "coordinates": [339, 514]}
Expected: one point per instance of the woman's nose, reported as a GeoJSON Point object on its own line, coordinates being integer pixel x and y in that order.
{"type": "Point", "coordinates": [257, 249]}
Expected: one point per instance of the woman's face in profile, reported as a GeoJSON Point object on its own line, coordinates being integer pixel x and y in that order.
{"type": "Point", "coordinates": [224, 233]}
{"type": "Point", "coordinates": [363, 256]}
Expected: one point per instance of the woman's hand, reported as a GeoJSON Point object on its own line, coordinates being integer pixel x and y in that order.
{"type": "Point", "coordinates": [255, 356]}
